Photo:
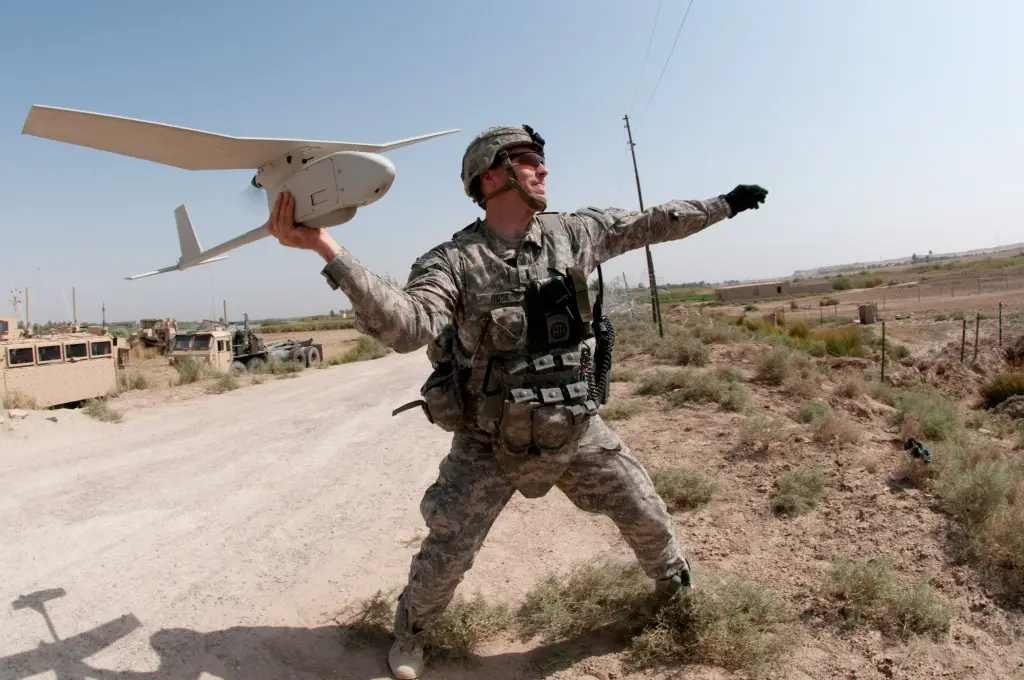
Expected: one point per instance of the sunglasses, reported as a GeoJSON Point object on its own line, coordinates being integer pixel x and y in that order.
{"type": "Point", "coordinates": [529, 158]}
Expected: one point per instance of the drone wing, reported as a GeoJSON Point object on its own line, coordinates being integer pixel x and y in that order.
{"type": "Point", "coordinates": [178, 146]}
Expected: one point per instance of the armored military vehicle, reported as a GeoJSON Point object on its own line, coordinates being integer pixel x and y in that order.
{"type": "Point", "coordinates": [59, 368]}
{"type": "Point", "coordinates": [240, 351]}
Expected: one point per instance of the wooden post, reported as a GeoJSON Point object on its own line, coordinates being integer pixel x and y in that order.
{"type": "Point", "coordinates": [883, 350]}
{"type": "Point", "coordinates": [963, 339]}
{"type": "Point", "coordinates": [977, 325]}
{"type": "Point", "coordinates": [1000, 324]}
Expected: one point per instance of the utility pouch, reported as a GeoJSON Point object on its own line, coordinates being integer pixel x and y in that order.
{"type": "Point", "coordinates": [442, 395]}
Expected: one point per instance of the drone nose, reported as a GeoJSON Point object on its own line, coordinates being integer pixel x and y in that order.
{"type": "Point", "coordinates": [363, 178]}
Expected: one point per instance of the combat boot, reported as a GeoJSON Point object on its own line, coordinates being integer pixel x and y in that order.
{"type": "Point", "coordinates": [667, 589]}
{"type": "Point", "coordinates": [406, 655]}
{"type": "Point", "coordinates": [406, 658]}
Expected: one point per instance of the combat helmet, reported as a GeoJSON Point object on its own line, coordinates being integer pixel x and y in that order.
{"type": "Point", "coordinates": [491, 147]}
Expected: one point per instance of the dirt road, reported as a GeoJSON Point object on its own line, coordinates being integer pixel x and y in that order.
{"type": "Point", "coordinates": [222, 534]}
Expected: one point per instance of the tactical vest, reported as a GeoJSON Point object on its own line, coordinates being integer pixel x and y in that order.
{"type": "Point", "coordinates": [526, 384]}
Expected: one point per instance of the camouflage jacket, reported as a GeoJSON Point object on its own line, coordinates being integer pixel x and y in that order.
{"type": "Point", "coordinates": [461, 279]}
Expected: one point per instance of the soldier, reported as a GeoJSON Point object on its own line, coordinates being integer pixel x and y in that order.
{"type": "Point", "coordinates": [503, 309]}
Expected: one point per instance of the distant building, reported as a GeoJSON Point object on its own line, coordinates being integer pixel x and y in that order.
{"type": "Point", "coordinates": [766, 290]}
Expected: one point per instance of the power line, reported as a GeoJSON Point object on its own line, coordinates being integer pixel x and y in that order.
{"type": "Point", "coordinates": [681, 24]}
{"type": "Point", "coordinates": [643, 67]}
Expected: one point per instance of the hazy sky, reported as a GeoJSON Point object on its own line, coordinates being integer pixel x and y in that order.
{"type": "Point", "coordinates": [880, 129]}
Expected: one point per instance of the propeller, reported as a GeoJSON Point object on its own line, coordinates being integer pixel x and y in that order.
{"type": "Point", "coordinates": [254, 193]}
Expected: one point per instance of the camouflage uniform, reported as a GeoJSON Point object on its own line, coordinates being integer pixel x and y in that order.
{"type": "Point", "coordinates": [463, 280]}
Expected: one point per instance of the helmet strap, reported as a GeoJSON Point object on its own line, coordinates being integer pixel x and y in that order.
{"type": "Point", "coordinates": [538, 203]}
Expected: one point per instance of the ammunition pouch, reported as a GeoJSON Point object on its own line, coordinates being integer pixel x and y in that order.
{"type": "Point", "coordinates": [543, 407]}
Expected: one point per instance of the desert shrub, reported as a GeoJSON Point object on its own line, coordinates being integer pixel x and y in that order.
{"type": "Point", "coordinates": [101, 410]}
{"type": "Point", "coordinates": [465, 625]}
{"type": "Point", "coordinates": [999, 388]}
{"type": "Point", "coordinates": [589, 597]}
{"type": "Point", "coordinates": [19, 400]}
{"type": "Point", "coordinates": [683, 488]}
{"type": "Point", "coordinates": [798, 491]}
{"type": "Point", "coordinates": [191, 369]}
{"type": "Point", "coordinates": [131, 381]}
{"type": "Point", "coordinates": [800, 329]}
{"type": "Point", "coordinates": [225, 382]}
{"type": "Point", "coordinates": [834, 429]}
{"type": "Point", "coordinates": [684, 385]}
{"type": "Point", "coordinates": [774, 366]}
{"type": "Point", "coordinates": [851, 387]}
{"type": "Point", "coordinates": [870, 590]}
{"type": "Point", "coordinates": [681, 348]}
{"type": "Point", "coordinates": [842, 341]}
{"type": "Point", "coordinates": [732, 623]}
{"type": "Point", "coordinates": [937, 417]}
{"type": "Point", "coordinates": [760, 430]}
{"type": "Point", "coordinates": [812, 411]}
{"type": "Point", "coordinates": [366, 349]}
{"type": "Point", "coordinates": [619, 410]}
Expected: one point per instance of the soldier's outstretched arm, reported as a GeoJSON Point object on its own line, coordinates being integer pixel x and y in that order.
{"type": "Point", "coordinates": [404, 319]}
{"type": "Point", "coordinates": [605, 234]}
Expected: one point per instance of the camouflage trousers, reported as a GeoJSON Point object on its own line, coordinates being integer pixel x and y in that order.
{"type": "Point", "coordinates": [471, 491]}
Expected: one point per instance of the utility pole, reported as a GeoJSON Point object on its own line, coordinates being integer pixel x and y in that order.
{"type": "Point", "coordinates": [655, 303]}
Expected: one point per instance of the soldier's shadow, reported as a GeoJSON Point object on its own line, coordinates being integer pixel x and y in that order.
{"type": "Point", "coordinates": [276, 653]}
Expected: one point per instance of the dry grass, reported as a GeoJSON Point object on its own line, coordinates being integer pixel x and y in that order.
{"type": "Point", "coordinates": [224, 382]}
{"type": "Point", "coordinates": [366, 348]}
{"type": "Point", "coordinates": [813, 411]}
{"type": "Point", "coordinates": [17, 400]}
{"type": "Point", "coordinates": [617, 409]}
{"type": "Point", "coordinates": [683, 488]}
{"type": "Point", "coordinates": [684, 385]}
{"type": "Point", "coordinates": [871, 591]}
{"type": "Point", "coordinates": [999, 388]}
{"type": "Point", "coordinates": [731, 623]}
{"type": "Point", "coordinates": [833, 429]}
{"type": "Point", "coordinates": [464, 626]}
{"type": "Point", "coordinates": [760, 431]}
{"type": "Point", "coordinates": [798, 491]}
{"type": "Point", "coordinates": [131, 381]}
{"type": "Point", "coordinates": [935, 417]}
{"type": "Point", "coordinates": [191, 370]}
{"type": "Point", "coordinates": [456, 635]}
{"type": "Point", "coordinates": [851, 387]}
{"type": "Point", "coordinates": [774, 366]}
{"type": "Point", "coordinates": [101, 410]}
{"type": "Point", "coordinates": [587, 598]}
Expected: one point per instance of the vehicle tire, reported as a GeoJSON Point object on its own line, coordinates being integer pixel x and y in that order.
{"type": "Point", "coordinates": [238, 368]}
{"type": "Point", "coordinates": [299, 356]}
{"type": "Point", "coordinates": [312, 357]}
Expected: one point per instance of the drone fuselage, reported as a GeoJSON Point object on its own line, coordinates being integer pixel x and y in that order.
{"type": "Point", "coordinates": [327, 188]}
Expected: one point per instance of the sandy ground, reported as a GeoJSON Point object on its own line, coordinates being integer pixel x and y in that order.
{"type": "Point", "coordinates": [223, 533]}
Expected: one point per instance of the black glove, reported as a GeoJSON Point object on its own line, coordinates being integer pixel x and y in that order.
{"type": "Point", "coordinates": [744, 197]}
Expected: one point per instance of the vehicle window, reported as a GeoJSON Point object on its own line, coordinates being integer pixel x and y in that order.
{"type": "Point", "coordinates": [201, 342]}
{"type": "Point", "coordinates": [21, 356]}
{"type": "Point", "coordinates": [181, 341]}
{"type": "Point", "coordinates": [77, 350]}
{"type": "Point", "coordinates": [3, 326]}
{"type": "Point", "coordinates": [50, 353]}
{"type": "Point", "coordinates": [100, 349]}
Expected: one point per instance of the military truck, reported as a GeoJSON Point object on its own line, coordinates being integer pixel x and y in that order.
{"type": "Point", "coordinates": [156, 333]}
{"type": "Point", "coordinates": [56, 369]}
{"type": "Point", "coordinates": [240, 351]}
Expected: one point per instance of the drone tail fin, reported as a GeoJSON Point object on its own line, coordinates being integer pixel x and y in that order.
{"type": "Point", "coordinates": [190, 248]}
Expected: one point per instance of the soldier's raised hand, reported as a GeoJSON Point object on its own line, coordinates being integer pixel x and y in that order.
{"type": "Point", "coordinates": [744, 197]}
